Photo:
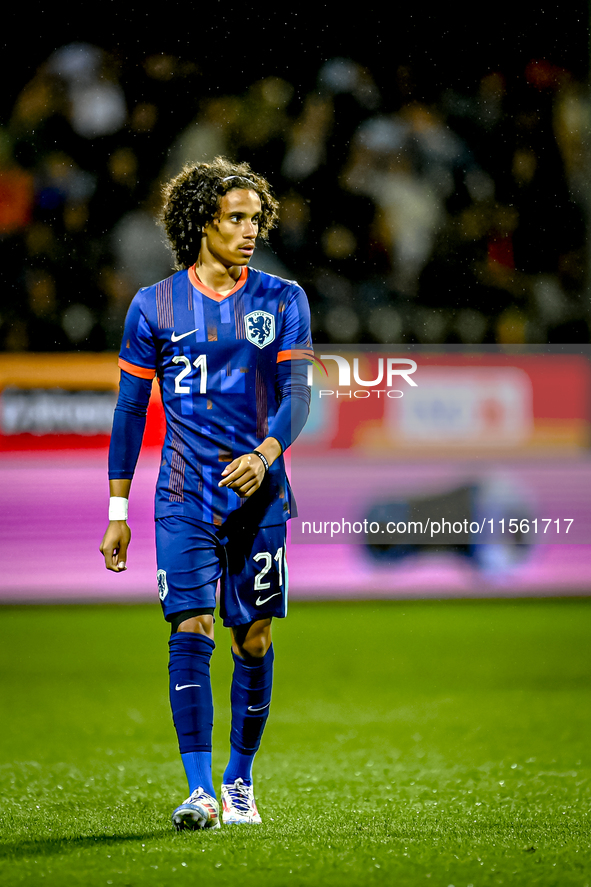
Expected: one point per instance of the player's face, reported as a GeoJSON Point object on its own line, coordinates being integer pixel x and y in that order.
{"type": "Point", "coordinates": [230, 238]}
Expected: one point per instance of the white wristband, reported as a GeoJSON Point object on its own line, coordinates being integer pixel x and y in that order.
{"type": "Point", "coordinates": [118, 508]}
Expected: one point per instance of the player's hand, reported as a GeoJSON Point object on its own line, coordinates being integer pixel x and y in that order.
{"type": "Point", "coordinates": [114, 545]}
{"type": "Point", "coordinates": [244, 475]}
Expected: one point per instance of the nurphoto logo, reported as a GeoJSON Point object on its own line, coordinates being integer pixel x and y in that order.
{"type": "Point", "coordinates": [390, 371]}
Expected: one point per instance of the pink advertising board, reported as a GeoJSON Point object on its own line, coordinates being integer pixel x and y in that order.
{"type": "Point", "coordinates": [479, 440]}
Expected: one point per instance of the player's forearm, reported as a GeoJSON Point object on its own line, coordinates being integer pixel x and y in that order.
{"type": "Point", "coordinates": [125, 444]}
{"type": "Point", "coordinates": [289, 421]}
{"type": "Point", "coordinates": [294, 406]}
{"type": "Point", "coordinates": [120, 487]}
{"type": "Point", "coordinates": [129, 421]}
{"type": "Point", "coordinates": [270, 448]}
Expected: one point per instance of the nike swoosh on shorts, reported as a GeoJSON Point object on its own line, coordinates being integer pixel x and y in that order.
{"type": "Point", "coordinates": [259, 602]}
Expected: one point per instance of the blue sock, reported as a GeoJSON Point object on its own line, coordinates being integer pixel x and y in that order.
{"type": "Point", "coordinates": [192, 704]}
{"type": "Point", "coordinates": [197, 766]}
{"type": "Point", "coordinates": [250, 697]}
{"type": "Point", "coordinates": [239, 766]}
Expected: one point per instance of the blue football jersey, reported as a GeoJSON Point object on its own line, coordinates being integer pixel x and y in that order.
{"type": "Point", "coordinates": [216, 359]}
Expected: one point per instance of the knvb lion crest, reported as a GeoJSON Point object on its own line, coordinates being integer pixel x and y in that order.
{"type": "Point", "coordinates": [162, 584]}
{"type": "Point", "coordinates": [260, 328]}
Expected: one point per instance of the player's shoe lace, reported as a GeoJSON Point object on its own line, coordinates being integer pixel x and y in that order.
{"type": "Point", "coordinates": [198, 811]}
{"type": "Point", "coordinates": [238, 803]}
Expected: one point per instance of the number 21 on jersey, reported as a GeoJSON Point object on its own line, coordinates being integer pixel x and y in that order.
{"type": "Point", "coordinates": [200, 363]}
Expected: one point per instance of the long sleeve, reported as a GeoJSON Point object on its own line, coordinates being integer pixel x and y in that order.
{"type": "Point", "coordinates": [294, 393]}
{"type": "Point", "coordinates": [129, 422]}
{"type": "Point", "coordinates": [291, 385]}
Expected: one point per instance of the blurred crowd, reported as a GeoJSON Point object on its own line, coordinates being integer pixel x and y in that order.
{"type": "Point", "coordinates": [460, 217]}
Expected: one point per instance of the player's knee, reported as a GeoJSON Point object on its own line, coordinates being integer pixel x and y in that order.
{"type": "Point", "coordinates": [200, 624]}
{"type": "Point", "coordinates": [255, 647]}
{"type": "Point", "coordinates": [254, 644]}
{"type": "Point", "coordinates": [252, 641]}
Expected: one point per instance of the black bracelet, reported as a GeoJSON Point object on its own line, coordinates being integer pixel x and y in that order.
{"type": "Point", "coordinates": [263, 459]}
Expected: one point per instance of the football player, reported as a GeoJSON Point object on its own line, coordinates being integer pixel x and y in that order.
{"type": "Point", "coordinates": [229, 346]}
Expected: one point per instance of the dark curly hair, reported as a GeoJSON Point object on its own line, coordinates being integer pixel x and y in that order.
{"type": "Point", "coordinates": [192, 199]}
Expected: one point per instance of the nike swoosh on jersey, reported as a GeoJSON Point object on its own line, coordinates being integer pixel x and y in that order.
{"type": "Point", "coordinates": [259, 602]}
{"type": "Point", "coordinates": [175, 338]}
{"type": "Point", "coordinates": [262, 708]}
{"type": "Point", "coordinates": [184, 686]}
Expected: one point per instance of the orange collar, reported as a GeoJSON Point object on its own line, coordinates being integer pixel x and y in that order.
{"type": "Point", "coordinates": [211, 294]}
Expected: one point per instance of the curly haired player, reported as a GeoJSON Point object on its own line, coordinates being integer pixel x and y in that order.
{"type": "Point", "coordinates": [229, 346]}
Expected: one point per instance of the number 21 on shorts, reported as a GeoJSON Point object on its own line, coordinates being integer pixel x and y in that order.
{"type": "Point", "coordinates": [268, 559]}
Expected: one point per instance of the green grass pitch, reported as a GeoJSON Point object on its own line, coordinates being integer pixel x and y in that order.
{"type": "Point", "coordinates": [410, 743]}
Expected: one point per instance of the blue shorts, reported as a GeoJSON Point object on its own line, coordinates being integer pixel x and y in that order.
{"type": "Point", "coordinates": [249, 564]}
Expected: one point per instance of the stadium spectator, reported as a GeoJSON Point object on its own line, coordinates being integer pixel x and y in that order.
{"type": "Point", "coordinates": [460, 215]}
